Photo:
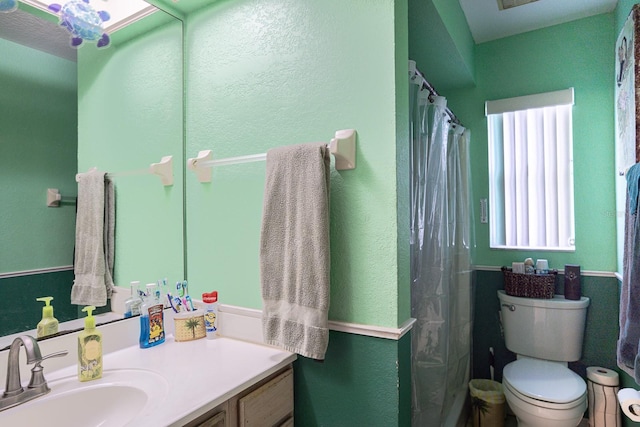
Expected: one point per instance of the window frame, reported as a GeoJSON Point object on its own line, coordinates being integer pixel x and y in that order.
{"type": "Point", "coordinates": [511, 231]}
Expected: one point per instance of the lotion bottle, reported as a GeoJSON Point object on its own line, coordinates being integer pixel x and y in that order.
{"type": "Point", "coordinates": [89, 349]}
{"type": "Point", "coordinates": [49, 324]}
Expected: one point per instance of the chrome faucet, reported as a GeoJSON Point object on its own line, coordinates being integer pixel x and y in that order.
{"type": "Point", "coordinates": [14, 394]}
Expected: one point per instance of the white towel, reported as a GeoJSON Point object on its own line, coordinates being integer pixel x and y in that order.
{"type": "Point", "coordinates": [93, 266]}
{"type": "Point", "coordinates": [294, 249]}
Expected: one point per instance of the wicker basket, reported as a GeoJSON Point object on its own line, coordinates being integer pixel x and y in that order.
{"type": "Point", "coordinates": [189, 326]}
{"type": "Point", "coordinates": [530, 285]}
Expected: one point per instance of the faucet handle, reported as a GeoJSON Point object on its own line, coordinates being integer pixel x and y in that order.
{"type": "Point", "coordinates": [56, 354]}
{"type": "Point", "coordinates": [37, 376]}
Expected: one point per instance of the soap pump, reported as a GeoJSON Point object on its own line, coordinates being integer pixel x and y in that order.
{"type": "Point", "coordinates": [89, 349]}
{"type": "Point", "coordinates": [49, 324]}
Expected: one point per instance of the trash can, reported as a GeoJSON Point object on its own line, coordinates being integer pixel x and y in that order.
{"type": "Point", "coordinates": [602, 387]}
{"type": "Point", "coordinates": [487, 402]}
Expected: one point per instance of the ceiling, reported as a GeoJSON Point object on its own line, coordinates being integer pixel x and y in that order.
{"type": "Point", "coordinates": [487, 22]}
{"type": "Point", "coordinates": [48, 36]}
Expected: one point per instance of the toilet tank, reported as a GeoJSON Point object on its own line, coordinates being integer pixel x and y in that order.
{"type": "Point", "coordinates": [549, 329]}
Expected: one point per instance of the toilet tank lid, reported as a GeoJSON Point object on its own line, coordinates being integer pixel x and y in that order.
{"type": "Point", "coordinates": [558, 301]}
{"type": "Point", "coordinates": [544, 380]}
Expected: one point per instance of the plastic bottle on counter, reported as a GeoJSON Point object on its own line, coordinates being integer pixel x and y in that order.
{"type": "Point", "coordinates": [49, 324]}
{"type": "Point", "coordinates": [151, 318]}
{"type": "Point", "coordinates": [89, 349]}
{"type": "Point", "coordinates": [210, 301]}
{"type": "Point", "coordinates": [134, 302]}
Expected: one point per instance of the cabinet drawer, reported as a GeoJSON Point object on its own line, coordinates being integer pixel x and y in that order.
{"type": "Point", "coordinates": [268, 405]}
{"type": "Point", "coordinates": [218, 420]}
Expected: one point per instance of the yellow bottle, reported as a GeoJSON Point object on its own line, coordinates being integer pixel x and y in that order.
{"type": "Point", "coordinates": [89, 349]}
{"type": "Point", "coordinates": [49, 324]}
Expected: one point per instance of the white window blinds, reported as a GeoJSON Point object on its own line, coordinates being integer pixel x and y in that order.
{"type": "Point", "coordinates": [531, 171]}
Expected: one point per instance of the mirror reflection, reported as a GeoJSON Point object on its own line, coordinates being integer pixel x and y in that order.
{"type": "Point", "coordinates": [67, 107]}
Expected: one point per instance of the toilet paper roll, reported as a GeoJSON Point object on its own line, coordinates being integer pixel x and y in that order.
{"type": "Point", "coordinates": [630, 403]}
{"type": "Point", "coordinates": [603, 376]}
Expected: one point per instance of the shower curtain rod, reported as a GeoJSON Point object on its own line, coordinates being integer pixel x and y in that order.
{"type": "Point", "coordinates": [414, 72]}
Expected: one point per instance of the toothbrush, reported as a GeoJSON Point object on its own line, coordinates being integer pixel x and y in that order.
{"type": "Point", "coordinates": [170, 298]}
{"type": "Point", "coordinates": [185, 288]}
{"type": "Point", "coordinates": [178, 304]}
{"type": "Point", "coordinates": [179, 289]}
{"type": "Point", "coordinates": [164, 289]}
{"type": "Point", "coordinates": [188, 298]}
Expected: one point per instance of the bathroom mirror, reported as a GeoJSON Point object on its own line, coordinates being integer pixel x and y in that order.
{"type": "Point", "coordinates": [65, 110]}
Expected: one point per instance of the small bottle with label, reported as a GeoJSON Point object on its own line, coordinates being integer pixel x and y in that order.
{"type": "Point", "coordinates": [151, 318]}
{"type": "Point", "coordinates": [134, 302]}
{"type": "Point", "coordinates": [89, 349]}
{"type": "Point", "coordinates": [49, 324]}
{"type": "Point", "coordinates": [210, 301]}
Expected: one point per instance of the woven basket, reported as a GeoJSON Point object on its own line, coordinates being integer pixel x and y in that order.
{"type": "Point", "coordinates": [530, 285]}
{"type": "Point", "coordinates": [189, 326]}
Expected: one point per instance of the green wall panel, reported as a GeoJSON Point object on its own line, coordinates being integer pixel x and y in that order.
{"type": "Point", "coordinates": [577, 54]}
{"type": "Point", "coordinates": [38, 148]}
{"type": "Point", "coordinates": [269, 73]}
{"type": "Point", "coordinates": [445, 59]}
{"type": "Point", "coordinates": [130, 115]}
{"type": "Point", "coordinates": [363, 381]}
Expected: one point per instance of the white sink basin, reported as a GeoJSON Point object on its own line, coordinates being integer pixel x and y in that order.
{"type": "Point", "coordinates": [116, 399]}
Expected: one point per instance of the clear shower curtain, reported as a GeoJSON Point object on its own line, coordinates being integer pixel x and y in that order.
{"type": "Point", "coordinates": [440, 262]}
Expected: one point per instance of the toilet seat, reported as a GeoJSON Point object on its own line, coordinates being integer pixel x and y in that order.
{"type": "Point", "coordinates": [544, 383]}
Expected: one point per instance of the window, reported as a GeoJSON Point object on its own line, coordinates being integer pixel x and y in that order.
{"type": "Point", "coordinates": [531, 172]}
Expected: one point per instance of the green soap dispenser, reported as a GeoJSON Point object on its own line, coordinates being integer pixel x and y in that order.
{"type": "Point", "coordinates": [89, 349]}
{"type": "Point", "coordinates": [49, 324]}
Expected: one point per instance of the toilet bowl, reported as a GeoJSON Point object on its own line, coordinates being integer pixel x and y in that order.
{"type": "Point", "coordinates": [544, 394]}
{"type": "Point", "coordinates": [545, 334]}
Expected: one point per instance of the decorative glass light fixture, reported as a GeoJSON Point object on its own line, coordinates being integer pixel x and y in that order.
{"type": "Point", "coordinates": [7, 6]}
{"type": "Point", "coordinates": [82, 21]}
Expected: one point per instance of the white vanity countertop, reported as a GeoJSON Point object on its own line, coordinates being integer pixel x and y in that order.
{"type": "Point", "coordinates": [200, 374]}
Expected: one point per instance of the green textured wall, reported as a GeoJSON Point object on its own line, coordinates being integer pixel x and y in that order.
{"type": "Point", "coordinates": [402, 163]}
{"type": "Point", "coordinates": [130, 115]}
{"type": "Point", "coordinates": [456, 24]}
{"type": "Point", "coordinates": [441, 44]}
{"type": "Point", "coordinates": [361, 383]}
{"type": "Point", "coordinates": [38, 144]}
{"type": "Point", "coordinates": [268, 73]}
{"type": "Point", "coordinates": [578, 54]}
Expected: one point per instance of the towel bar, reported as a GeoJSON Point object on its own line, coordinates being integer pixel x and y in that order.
{"type": "Point", "coordinates": [54, 198]}
{"type": "Point", "coordinates": [164, 169]}
{"type": "Point", "coordinates": [342, 146]}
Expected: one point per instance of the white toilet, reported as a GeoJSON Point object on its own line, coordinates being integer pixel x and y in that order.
{"type": "Point", "coordinates": [545, 334]}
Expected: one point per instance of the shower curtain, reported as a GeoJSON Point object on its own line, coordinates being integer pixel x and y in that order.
{"type": "Point", "coordinates": [440, 262]}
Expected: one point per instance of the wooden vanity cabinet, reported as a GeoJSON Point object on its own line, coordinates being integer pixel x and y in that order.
{"type": "Point", "coordinates": [268, 403]}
